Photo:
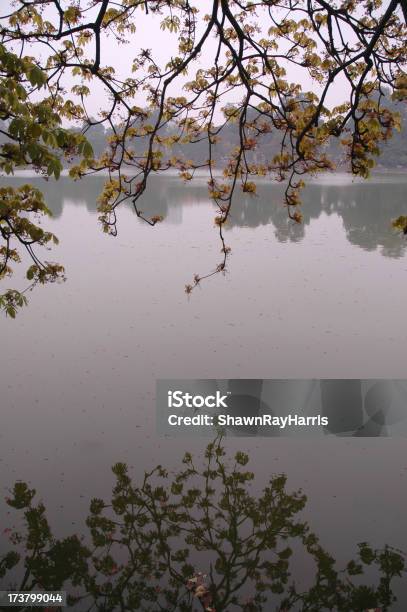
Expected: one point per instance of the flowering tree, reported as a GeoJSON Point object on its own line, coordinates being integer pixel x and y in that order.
{"type": "Point", "coordinates": [230, 66]}
{"type": "Point", "coordinates": [195, 539]}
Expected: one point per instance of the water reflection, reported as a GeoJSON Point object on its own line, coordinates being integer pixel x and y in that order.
{"type": "Point", "coordinates": [197, 538]}
{"type": "Point", "coordinates": [366, 208]}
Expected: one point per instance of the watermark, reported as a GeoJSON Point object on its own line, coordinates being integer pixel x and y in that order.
{"type": "Point", "coordinates": [282, 407]}
{"type": "Point", "coordinates": [178, 399]}
{"type": "Point", "coordinates": [265, 420]}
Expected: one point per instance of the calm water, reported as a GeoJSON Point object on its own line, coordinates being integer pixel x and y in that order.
{"type": "Point", "coordinates": [325, 299]}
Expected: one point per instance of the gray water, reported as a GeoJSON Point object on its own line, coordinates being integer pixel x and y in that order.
{"type": "Point", "coordinates": [322, 300]}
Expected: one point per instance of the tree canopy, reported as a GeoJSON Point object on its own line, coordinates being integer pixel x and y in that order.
{"type": "Point", "coordinates": [268, 68]}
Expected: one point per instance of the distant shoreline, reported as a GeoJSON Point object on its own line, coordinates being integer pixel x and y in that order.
{"type": "Point", "coordinates": [173, 174]}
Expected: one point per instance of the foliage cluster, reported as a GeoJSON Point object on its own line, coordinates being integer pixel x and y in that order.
{"type": "Point", "coordinates": [250, 49]}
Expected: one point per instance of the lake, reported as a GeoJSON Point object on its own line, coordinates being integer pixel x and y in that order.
{"type": "Point", "coordinates": [325, 299]}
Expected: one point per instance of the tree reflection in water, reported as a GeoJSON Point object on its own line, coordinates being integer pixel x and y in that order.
{"type": "Point", "coordinates": [366, 208]}
{"type": "Point", "coordinates": [194, 540]}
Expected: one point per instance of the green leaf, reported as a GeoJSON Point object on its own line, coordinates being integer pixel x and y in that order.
{"type": "Point", "coordinates": [57, 169]}
{"type": "Point", "coordinates": [36, 76]}
{"type": "Point", "coordinates": [10, 310]}
{"type": "Point", "coordinates": [87, 149]}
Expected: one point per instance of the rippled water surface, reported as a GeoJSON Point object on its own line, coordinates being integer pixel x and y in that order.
{"type": "Point", "coordinates": [324, 299]}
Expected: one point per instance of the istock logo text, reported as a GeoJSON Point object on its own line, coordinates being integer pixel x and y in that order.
{"type": "Point", "coordinates": [177, 399]}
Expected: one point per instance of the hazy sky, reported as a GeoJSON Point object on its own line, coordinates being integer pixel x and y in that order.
{"type": "Point", "coordinates": [164, 45]}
